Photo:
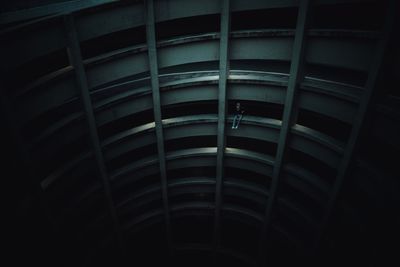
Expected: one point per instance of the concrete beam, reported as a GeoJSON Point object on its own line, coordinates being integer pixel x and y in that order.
{"type": "Point", "coordinates": [352, 143]}
{"type": "Point", "coordinates": [289, 115]}
{"type": "Point", "coordinates": [152, 54]}
{"type": "Point", "coordinates": [49, 10]}
{"type": "Point", "coordinates": [76, 62]}
{"type": "Point", "coordinates": [221, 137]}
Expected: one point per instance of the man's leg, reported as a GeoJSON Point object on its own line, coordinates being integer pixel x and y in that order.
{"type": "Point", "coordinates": [234, 122]}
{"type": "Point", "coordinates": [238, 118]}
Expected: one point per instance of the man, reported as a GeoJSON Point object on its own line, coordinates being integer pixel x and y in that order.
{"type": "Point", "coordinates": [238, 116]}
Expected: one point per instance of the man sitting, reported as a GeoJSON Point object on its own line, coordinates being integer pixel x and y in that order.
{"type": "Point", "coordinates": [238, 116]}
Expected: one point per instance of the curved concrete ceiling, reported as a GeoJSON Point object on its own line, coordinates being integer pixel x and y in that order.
{"type": "Point", "coordinates": [121, 117]}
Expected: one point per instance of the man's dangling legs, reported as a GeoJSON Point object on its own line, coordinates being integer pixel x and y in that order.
{"type": "Point", "coordinates": [234, 122]}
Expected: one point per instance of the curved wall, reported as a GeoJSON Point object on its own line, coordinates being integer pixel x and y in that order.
{"type": "Point", "coordinates": [308, 157]}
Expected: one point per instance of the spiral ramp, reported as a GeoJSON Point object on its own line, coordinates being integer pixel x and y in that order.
{"type": "Point", "coordinates": [122, 153]}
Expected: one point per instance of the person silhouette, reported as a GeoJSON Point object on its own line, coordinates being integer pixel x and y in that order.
{"type": "Point", "coordinates": [238, 115]}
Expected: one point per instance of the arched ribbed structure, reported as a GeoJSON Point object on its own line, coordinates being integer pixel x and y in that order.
{"type": "Point", "coordinates": [119, 118]}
